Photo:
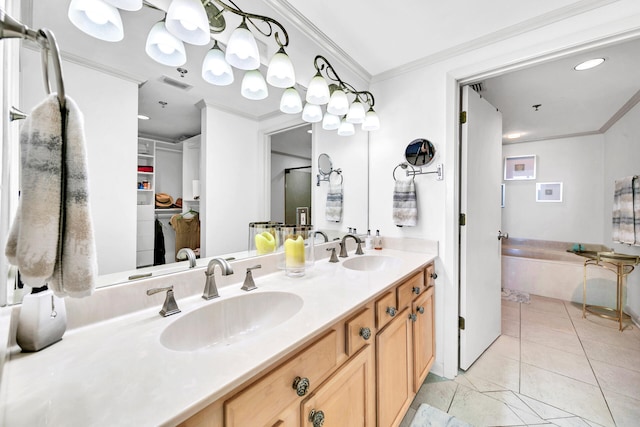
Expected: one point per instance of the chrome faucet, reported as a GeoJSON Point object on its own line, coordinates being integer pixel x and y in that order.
{"type": "Point", "coordinates": [322, 233]}
{"type": "Point", "coordinates": [210, 288]}
{"type": "Point", "coordinates": [343, 245]}
{"type": "Point", "coordinates": [170, 306]}
{"type": "Point", "coordinates": [249, 284]}
{"type": "Point", "coordinates": [187, 253]}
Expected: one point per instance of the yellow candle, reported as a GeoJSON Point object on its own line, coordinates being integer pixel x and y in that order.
{"type": "Point", "coordinates": [294, 252]}
{"type": "Point", "coordinates": [265, 243]}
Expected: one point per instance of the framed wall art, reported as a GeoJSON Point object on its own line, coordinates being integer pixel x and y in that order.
{"type": "Point", "coordinates": [520, 167]}
{"type": "Point", "coordinates": [549, 192]}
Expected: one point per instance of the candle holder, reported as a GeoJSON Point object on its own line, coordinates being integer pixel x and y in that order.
{"type": "Point", "coordinates": [297, 246]}
{"type": "Point", "coordinates": [263, 237]}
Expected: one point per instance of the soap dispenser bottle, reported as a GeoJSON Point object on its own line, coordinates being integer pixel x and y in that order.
{"type": "Point", "coordinates": [377, 241]}
{"type": "Point", "coordinates": [368, 241]}
{"type": "Point", "coordinates": [42, 320]}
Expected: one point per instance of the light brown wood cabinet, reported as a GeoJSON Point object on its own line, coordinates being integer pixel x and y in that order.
{"type": "Point", "coordinates": [363, 371]}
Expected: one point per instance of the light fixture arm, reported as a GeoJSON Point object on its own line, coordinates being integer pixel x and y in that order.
{"type": "Point", "coordinates": [322, 64]}
{"type": "Point", "coordinates": [270, 22]}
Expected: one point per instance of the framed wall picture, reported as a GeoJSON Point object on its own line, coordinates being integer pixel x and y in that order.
{"type": "Point", "coordinates": [520, 167]}
{"type": "Point", "coordinates": [549, 192]}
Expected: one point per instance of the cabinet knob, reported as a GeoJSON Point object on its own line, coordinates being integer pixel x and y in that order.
{"type": "Point", "coordinates": [413, 317]}
{"type": "Point", "coordinates": [391, 311]}
{"type": "Point", "coordinates": [416, 290]}
{"type": "Point", "coordinates": [316, 417]}
{"type": "Point", "coordinates": [365, 333]}
{"type": "Point", "coordinates": [301, 385]}
{"type": "Point", "coordinates": [434, 276]}
{"type": "Point", "coordinates": [421, 310]}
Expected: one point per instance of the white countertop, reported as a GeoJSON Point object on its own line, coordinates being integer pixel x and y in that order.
{"type": "Point", "coordinates": [117, 372]}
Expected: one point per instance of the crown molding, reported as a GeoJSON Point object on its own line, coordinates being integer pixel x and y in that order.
{"type": "Point", "coordinates": [632, 102]}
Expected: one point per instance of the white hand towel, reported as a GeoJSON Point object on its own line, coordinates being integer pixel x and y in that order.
{"type": "Point", "coordinates": [405, 205]}
{"type": "Point", "coordinates": [333, 208]}
{"type": "Point", "coordinates": [51, 239]}
{"type": "Point", "coordinates": [624, 216]}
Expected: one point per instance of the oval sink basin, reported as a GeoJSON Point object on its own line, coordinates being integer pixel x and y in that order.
{"type": "Point", "coordinates": [370, 262]}
{"type": "Point", "coordinates": [230, 320]}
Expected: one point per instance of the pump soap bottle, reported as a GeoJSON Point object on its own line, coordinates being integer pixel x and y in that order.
{"type": "Point", "coordinates": [377, 241]}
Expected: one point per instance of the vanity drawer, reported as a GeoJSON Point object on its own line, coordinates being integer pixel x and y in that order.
{"type": "Point", "coordinates": [315, 363]}
{"type": "Point", "coordinates": [358, 331]}
{"type": "Point", "coordinates": [407, 291]}
{"type": "Point", "coordinates": [386, 309]}
{"type": "Point", "coordinates": [429, 278]}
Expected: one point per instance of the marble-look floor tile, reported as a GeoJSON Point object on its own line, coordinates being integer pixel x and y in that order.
{"type": "Point", "coordinates": [613, 355]}
{"type": "Point", "coordinates": [607, 333]}
{"type": "Point", "coordinates": [547, 305]}
{"type": "Point", "coordinates": [543, 410]}
{"type": "Point", "coordinates": [507, 303]}
{"type": "Point", "coordinates": [463, 380]}
{"type": "Point", "coordinates": [568, 342]}
{"type": "Point", "coordinates": [480, 410]}
{"type": "Point", "coordinates": [511, 328]}
{"type": "Point", "coordinates": [498, 370]}
{"type": "Point", "coordinates": [549, 320]}
{"type": "Point", "coordinates": [561, 362]}
{"type": "Point", "coordinates": [511, 313]}
{"type": "Point", "coordinates": [408, 417]}
{"type": "Point", "coordinates": [436, 394]}
{"type": "Point", "coordinates": [625, 410]}
{"type": "Point", "coordinates": [574, 309]}
{"type": "Point", "coordinates": [524, 412]}
{"type": "Point", "coordinates": [505, 346]}
{"type": "Point", "coordinates": [617, 379]}
{"type": "Point", "coordinates": [570, 422]}
{"type": "Point", "coordinates": [573, 396]}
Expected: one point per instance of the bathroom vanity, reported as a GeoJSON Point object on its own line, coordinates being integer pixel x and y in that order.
{"type": "Point", "coordinates": [350, 341]}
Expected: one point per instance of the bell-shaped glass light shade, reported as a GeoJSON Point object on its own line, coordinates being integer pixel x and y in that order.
{"type": "Point", "coordinates": [290, 103]}
{"type": "Point", "coordinates": [164, 48]}
{"type": "Point", "coordinates": [346, 128]}
{"type": "Point", "coordinates": [97, 18]}
{"type": "Point", "coordinates": [254, 86]}
{"type": "Point", "coordinates": [312, 113]}
{"type": "Point", "coordinates": [338, 103]}
{"type": "Point", "coordinates": [318, 92]}
{"type": "Point", "coordinates": [330, 122]}
{"type": "Point", "coordinates": [215, 69]}
{"type": "Point", "coordinates": [356, 112]}
{"type": "Point", "coordinates": [371, 121]}
{"type": "Point", "coordinates": [188, 21]}
{"type": "Point", "coordinates": [131, 5]}
{"type": "Point", "coordinates": [242, 49]}
{"type": "Point", "coordinates": [281, 72]}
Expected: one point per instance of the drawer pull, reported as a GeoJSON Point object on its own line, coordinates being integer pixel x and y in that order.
{"type": "Point", "coordinates": [301, 385]}
{"type": "Point", "coordinates": [391, 311]}
{"type": "Point", "coordinates": [434, 276]}
{"type": "Point", "coordinates": [421, 310]}
{"type": "Point", "coordinates": [416, 290]}
{"type": "Point", "coordinates": [316, 417]}
{"type": "Point", "coordinates": [365, 333]}
{"type": "Point", "coordinates": [413, 317]}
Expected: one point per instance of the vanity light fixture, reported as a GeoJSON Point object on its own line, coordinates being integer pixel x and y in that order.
{"type": "Point", "coordinates": [330, 121]}
{"type": "Point", "coordinates": [336, 97]}
{"type": "Point", "coordinates": [311, 113]}
{"type": "Point", "coordinates": [589, 64]}
{"type": "Point", "coordinates": [194, 22]}
{"type": "Point", "coordinates": [291, 103]}
{"type": "Point", "coordinates": [142, 117]}
{"type": "Point", "coordinates": [514, 135]}
{"type": "Point", "coordinates": [254, 86]}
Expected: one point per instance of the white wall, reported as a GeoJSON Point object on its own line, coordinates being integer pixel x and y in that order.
{"type": "Point", "coordinates": [422, 101]}
{"type": "Point", "coordinates": [576, 162]}
{"type": "Point", "coordinates": [169, 171]}
{"type": "Point", "coordinates": [621, 159]}
{"type": "Point", "coordinates": [111, 129]}
{"type": "Point", "coordinates": [231, 180]}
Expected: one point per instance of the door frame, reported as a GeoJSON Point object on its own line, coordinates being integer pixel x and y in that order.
{"type": "Point", "coordinates": [455, 79]}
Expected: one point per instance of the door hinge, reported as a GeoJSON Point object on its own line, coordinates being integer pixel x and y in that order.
{"type": "Point", "coordinates": [461, 322]}
{"type": "Point", "coordinates": [463, 219]}
{"type": "Point", "coordinates": [463, 117]}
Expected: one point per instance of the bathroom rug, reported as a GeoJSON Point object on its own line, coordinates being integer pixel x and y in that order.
{"type": "Point", "coordinates": [517, 296]}
{"type": "Point", "coordinates": [428, 416]}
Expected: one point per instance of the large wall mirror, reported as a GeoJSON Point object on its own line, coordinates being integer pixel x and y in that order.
{"type": "Point", "coordinates": [222, 134]}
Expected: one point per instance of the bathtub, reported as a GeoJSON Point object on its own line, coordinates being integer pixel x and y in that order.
{"type": "Point", "coordinates": [545, 268]}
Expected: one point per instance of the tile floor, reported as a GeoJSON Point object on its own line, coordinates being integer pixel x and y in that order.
{"type": "Point", "coordinates": [549, 367]}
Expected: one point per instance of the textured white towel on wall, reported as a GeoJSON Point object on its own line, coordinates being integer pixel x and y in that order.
{"type": "Point", "coordinates": [334, 202]}
{"type": "Point", "coordinates": [51, 239]}
{"type": "Point", "coordinates": [626, 211]}
{"type": "Point", "coordinates": [405, 205]}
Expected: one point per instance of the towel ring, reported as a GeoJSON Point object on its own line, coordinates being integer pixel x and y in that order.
{"type": "Point", "coordinates": [404, 166]}
{"type": "Point", "coordinates": [57, 66]}
{"type": "Point", "coordinates": [339, 172]}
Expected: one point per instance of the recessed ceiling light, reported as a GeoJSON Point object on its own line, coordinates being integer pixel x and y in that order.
{"type": "Point", "coordinates": [142, 117]}
{"type": "Point", "coordinates": [514, 135]}
{"type": "Point", "coordinates": [586, 65]}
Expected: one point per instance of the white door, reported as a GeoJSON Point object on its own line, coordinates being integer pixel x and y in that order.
{"type": "Point", "coordinates": [480, 196]}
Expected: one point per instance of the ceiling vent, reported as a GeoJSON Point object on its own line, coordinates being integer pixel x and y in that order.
{"type": "Point", "coordinates": [478, 87]}
{"type": "Point", "coordinates": [175, 83]}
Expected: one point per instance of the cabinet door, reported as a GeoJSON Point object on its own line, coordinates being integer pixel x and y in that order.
{"type": "Point", "coordinates": [423, 338]}
{"type": "Point", "coordinates": [393, 369]}
{"type": "Point", "coordinates": [346, 398]}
